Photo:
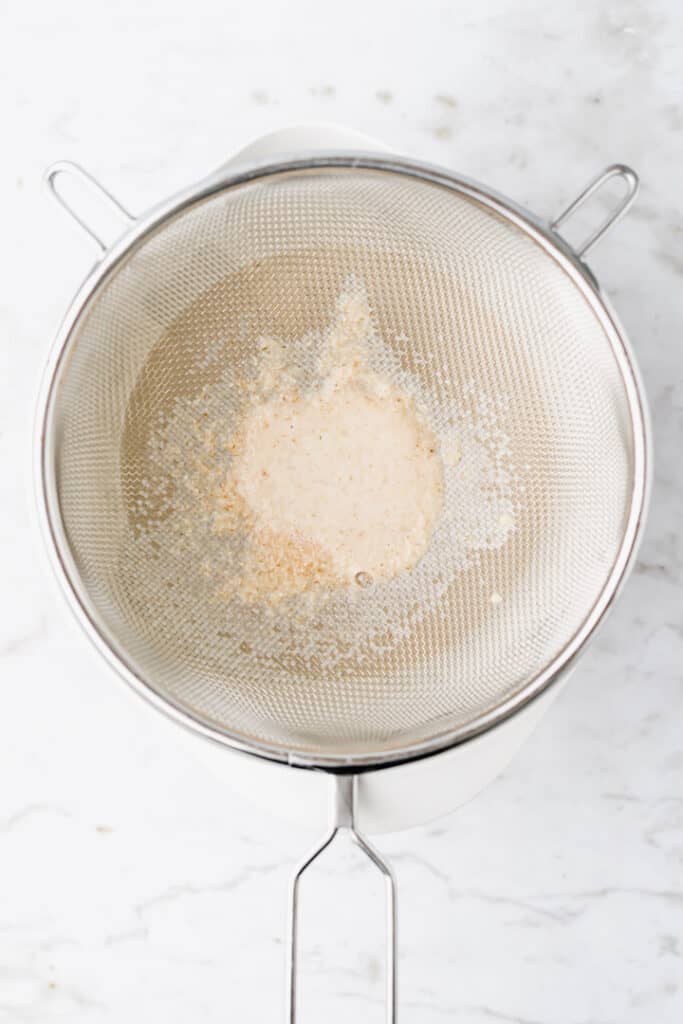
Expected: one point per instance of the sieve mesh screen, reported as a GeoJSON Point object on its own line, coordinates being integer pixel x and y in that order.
{"type": "Point", "coordinates": [503, 354]}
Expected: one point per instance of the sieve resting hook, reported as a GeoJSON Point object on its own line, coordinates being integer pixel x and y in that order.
{"type": "Point", "coordinates": [342, 816]}
{"type": "Point", "coordinates": [65, 168]}
{"type": "Point", "coordinates": [615, 171]}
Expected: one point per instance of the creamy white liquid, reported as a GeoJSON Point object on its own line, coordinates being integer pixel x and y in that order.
{"type": "Point", "coordinates": [338, 485]}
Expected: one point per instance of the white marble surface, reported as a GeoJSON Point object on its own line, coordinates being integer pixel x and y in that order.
{"type": "Point", "coordinates": [133, 887]}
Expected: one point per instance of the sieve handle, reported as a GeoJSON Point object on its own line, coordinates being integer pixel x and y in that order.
{"type": "Point", "coordinates": [615, 171]}
{"type": "Point", "coordinates": [66, 167]}
{"type": "Point", "coordinates": [342, 816]}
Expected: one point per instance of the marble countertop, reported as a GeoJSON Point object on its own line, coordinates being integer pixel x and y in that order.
{"type": "Point", "coordinates": [133, 886]}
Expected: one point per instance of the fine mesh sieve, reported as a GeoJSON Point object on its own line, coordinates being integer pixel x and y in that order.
{"type": "Point", "coordinates": [503, 339]}
{"type": "Point", "coordinates": [480, 317]}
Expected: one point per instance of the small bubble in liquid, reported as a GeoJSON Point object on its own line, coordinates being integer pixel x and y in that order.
{"type": "Point", "coordinates": [245, 648]}
{"type": "Point", "coordinates": [364, 579]}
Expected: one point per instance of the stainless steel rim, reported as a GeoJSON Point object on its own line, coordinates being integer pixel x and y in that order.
{"type": "Point", "coordinates": [555, 248]}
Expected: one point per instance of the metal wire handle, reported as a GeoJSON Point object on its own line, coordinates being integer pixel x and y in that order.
{"type": "Point", "coordinates": [66, 167]}
{"type": "Point", "coordinates": [615, 171]}
{"type": "Point", "coordinates": [342, 816]}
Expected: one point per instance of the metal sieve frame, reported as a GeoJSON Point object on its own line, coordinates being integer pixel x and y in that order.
{"type": "Point", "coordinates": [538, 231]}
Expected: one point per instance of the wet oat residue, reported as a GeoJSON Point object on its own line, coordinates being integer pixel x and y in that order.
{"type": "Point", "coordinates": [329, 485]}
{"type": "Point", "coordinates": [318, 481]}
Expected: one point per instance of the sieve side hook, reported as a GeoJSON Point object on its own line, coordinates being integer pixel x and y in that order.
{"type": "Point", "coordinates": [342, 816]}
{"type": "Point", "coordinates": [73, 170]}
{"type": "Point", "coordinates": [615, 171]}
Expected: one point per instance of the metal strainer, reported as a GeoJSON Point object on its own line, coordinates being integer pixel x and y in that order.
{"type": "Point", "coordinates": [482, 308]}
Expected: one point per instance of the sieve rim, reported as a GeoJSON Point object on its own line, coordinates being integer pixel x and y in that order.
{"type": "Point", "coordinates": [52, 526]}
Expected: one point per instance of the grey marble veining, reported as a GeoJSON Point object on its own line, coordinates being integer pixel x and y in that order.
{"type": "Point", "coordinates": [132, 886]}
